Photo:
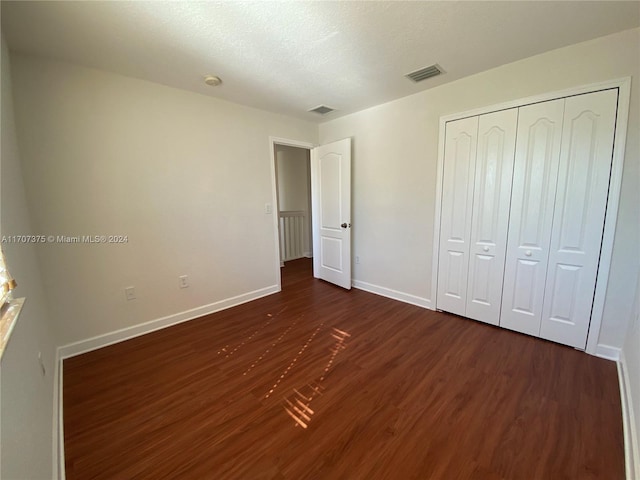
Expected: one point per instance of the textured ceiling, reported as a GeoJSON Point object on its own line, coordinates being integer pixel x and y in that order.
{"type": "Point", "coordinates": [288, 57]}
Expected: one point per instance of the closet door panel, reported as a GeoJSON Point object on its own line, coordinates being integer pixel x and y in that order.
{"type": "Point", "coordinates": [490, 218]}
{"type": "Point", "coordinates": [455, 224]}
{"type": "Point", "coordinates": [531, 215]}
{"type": "Point", "coordinates": [581, 199]}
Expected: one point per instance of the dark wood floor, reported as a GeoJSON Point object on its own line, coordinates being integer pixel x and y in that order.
{"type": "Point", "coordinates": [319, 383]}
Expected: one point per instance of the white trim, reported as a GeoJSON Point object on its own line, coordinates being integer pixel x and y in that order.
{"type": "Point", "coordinates": [615, 184]}
{"type": "Point", "coordinates": [613, 200]}
{"type": "Point", "coordinates": [127, 333]}
{"type": "Point", "coordinates": [58, 418]}
{"type": "Point", "coordinates": [437, 216]}
{"type": "Point", "coordinates": [544, 97]}
{"type": "Point", "coordinates": [121, 335]}
{"type": "Point", "coordinates": [292, 143]}
{"type": "Point", "coordinates": [607, 351]}
{"type": "Point", "coordinates": [631, 445]}
{"type": "Point", "coordinates": [393, 294]}
{"type": "Point", "coordinates": [273, 141]}
{"type": "Point", "coordinates": [315, 231]}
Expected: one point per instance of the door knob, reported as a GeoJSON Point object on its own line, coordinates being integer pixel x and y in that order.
{"type": "Point", "coordinates": [528, 253]}
{"type": "Point", "coordinates": [485, 249]}
{"type": "Point", "coordinates": [344, 225]}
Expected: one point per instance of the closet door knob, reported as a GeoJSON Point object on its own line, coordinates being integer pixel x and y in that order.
{"type": "Point", "coordinates": [528, 253]}
{"type": "Point", "coordinates": [485, 249]}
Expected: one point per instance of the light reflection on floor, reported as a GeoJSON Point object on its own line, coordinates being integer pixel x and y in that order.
{"type": "Point", "coordinates": [297, 404]}
{"type": "Point", "coordinates": [272, 346]}
{"type": "Point", "coordinates": [265, 324]}
{"type": "Point", "coordinates": [295, 359]}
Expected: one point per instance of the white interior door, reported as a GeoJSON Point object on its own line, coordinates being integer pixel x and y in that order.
{"type": "Point", "coordinates": [331, 207]}
{"type": "Point", "coordinates": [455, 226]}
{"type": "Point", "coordinates": [535, 176]}
{"type": "Point", "coordinates": [490, 218]}
{"type": "Point", "coordinates": [581, 200]}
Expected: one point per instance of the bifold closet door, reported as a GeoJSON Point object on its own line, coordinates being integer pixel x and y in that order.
{"type": "Point", "coordinates": [455, 225]}
{"type": "Point", "coordinates": [581, 200]}
{"type": "Point", "coordinates": [532, 203]}
{"type": "Point", "coordinates": [490, 217]}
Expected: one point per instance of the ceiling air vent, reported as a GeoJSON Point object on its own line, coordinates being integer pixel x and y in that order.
{"type": "Point", "coordinates": [424, 73]}
{"type": "Point", "coordinates": [322, 110]}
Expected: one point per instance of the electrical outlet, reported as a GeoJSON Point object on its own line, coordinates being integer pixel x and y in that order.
{"type": "Point", "coordinates": [130, 293]}
{"type": "Point", "coordinates": [357, 259]}
{"type": "Point", "coordinates": [268, 209]}
{"type": "Point", "coordinates": [183, 281]}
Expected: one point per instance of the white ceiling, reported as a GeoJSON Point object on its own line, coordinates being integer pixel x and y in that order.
{"type": "Point", "coordinates": [288, 57]}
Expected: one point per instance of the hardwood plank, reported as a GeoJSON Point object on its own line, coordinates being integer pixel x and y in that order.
{"type": "Point", "coordinates": [318, 382]}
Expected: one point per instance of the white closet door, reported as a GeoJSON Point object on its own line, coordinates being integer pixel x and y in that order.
{"type": "Point", "coordinates": [490, 219]}
{"type": "Point", "coordinates": [533, 193]}
{"type": "Point", "coordinates": [581, 200]}
{"type": "Point", "coordinates": [455, 224]}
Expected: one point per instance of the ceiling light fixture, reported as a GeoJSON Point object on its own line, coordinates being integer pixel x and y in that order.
{"type": "Point", "coordinates": [212, 80]}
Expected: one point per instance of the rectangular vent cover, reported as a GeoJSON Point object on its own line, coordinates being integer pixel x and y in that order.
{"type": "Point", "coordinates": [424, 73]}
{"type": "Point", "coordinates": [322, 109]}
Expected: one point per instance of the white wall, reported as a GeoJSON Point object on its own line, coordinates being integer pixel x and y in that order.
{"type": "Point", "coordinates": [28, 434]}
{"type": "Point", "coordinates": [631, 359]}
{"type": "Point", "coordinates": [293, 177]}
{"type": "Point", "coordinates": [395, 155]}
{"type": "Point", "coordinates": [185, 176]}
{"type": "Point", "coordinates": [294, 184]}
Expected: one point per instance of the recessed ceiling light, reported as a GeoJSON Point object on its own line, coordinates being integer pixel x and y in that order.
{"type": "Point", "coordinates": [212, 80]}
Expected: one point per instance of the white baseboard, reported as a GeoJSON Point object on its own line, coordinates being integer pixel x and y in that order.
{"type": "Point", "coordinates": [608, 352]}
{"type": "Point", "coordinates": [127, 333]}
{"type": "Point", "coordinates": [58, 414]}
{"type": "Point", "coordinates": [55, 425]}
{"type": "Point", "coordinates": [308, 254]}
{"type": "Point", "coordinates": [100, 341]}
{"type": "Point", "coordinates": [394, 294]}
{"type": "Point", "coordinates": [631, 445]}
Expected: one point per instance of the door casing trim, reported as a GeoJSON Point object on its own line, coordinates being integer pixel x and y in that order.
{"type": "Point", "coordinates": [273, 141]}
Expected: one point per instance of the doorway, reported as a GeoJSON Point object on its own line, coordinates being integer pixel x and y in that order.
{"type": "Point", "coordinates": [292, 165]}
{"type": "Point", "coordinates": [328, 187]}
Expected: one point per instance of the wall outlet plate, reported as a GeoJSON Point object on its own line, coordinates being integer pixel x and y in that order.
{"type": "Point", "coordinates": [130, 293]}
